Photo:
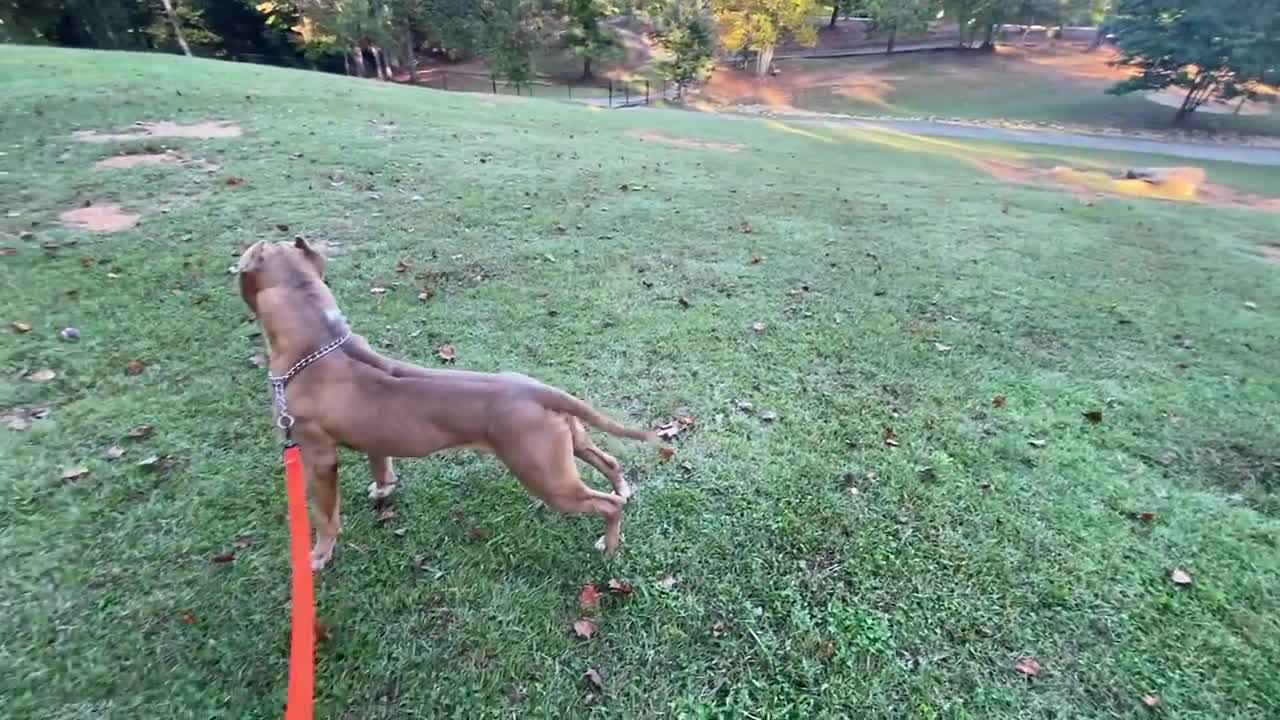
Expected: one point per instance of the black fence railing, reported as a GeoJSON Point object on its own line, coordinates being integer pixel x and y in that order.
{"type": "Point", "coordinates": [604, 93]}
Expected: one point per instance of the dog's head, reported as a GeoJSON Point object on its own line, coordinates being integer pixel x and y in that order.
{"type": "Point", "coordinates": [267, 265]}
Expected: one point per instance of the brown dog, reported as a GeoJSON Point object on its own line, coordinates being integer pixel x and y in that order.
{"type": "Point", "coordinates": [355, 398]}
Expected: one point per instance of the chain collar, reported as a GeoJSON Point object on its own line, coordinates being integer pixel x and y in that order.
{"type": "Point", "coordinates": [284, 420]}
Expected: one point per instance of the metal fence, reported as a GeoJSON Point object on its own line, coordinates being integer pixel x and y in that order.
{"type": "Point", "coordinates": [604, 93]}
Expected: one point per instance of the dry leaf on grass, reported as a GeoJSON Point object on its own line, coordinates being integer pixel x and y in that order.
{"type": "Point", "coordinates": [890, 439]}
{"type": "Point", "coordinates": [425, 295]}
{"type": "Point", "coordinates": [447, 353]}
{"type": "Point", "coordinates": [378, 290]}
{"type": "Point", "coordinates": [150, 462]}
{"type": "Point", "coordinates": [593, 678]}
{"type": "Point", "coordinates": [1093, 416]}
{"type": "Point", "coordinates": [589, 597]}
{"type": "Point", "coordinates": [666, 452]}
{"type": "Point", "coordinates": [1180, 577]}
{"type": "Point", "coordinates": [756, 259]}
{"type": "Point", "coordinates": [224, 557]}
{"type": "Point", "coordinates": [1151, 701]}
{"type": "Point", "coordinates": [717, 630]}
{"type": "Point", "coordinates": [1146, 516]}
{"type": "Point", "coordinates": [826, 651]}
{"type": "Point", "coordinates": [138, 431]}
{"type": "Point", "coordinates": [188, 618]}
{"type": "Point", "coordinates": [1029, 667]}
{"type": "Point", "coordinates": [684, 302]}
{"type": "Point", "coordinates": [115, 452]}
{"type": "Point", "coordinates": [667, 582]}
{"type": "Point", "coordinates": [672, 428]}
{"type": "Point", "coordinates": [1036, 443]}
{"type": "Point", "coordinates": [386, 513]}
{"type": "Point", "coordinates": [619, 587]}
{"type": "Point", "coordinates": [403, 265]}
{"type": "Point", "coordinates": [998, 401]}
{"type": "Point", "coordinates": [242, 542]}
{"type": "Point", "coordinates": [943, 348]}
{"type": "Point", "coordinates": [75, 473]}
{"type": "Point", "coordinates": [135, 367]}
{"type": "Point", "coordinates": [234, 181]}
{"type": "Point", "coordinates": [21, 327]}
{"type": "Point", "coordinates": [758, 327]}
{"type": "Point", "coordinates": [41, 376]}
{"type": "Point", "coordinates": [768, 416]}
{"type": "Point", "coordinates": [584, 628]}
{"type": "Point", "coordinates": [479, 535]}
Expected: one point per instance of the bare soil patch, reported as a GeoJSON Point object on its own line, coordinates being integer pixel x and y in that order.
{"type": "Point", "coordinates": [207, 130]}
{"type": "Point", "coordinates": [124, 162]}
{"type": "Point", "coordinates": [684, 142]}
{"type": "Point", "coordinates": [107, 218]}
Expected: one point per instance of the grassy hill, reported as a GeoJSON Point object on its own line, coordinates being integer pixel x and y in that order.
{"type": "Point", "coordinates": [815, 568]}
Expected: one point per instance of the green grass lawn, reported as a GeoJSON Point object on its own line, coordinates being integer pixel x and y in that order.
{"type": "Point", "coordinates": [978, 86]}
{"type": "Point", "coordinates": [817, 571]}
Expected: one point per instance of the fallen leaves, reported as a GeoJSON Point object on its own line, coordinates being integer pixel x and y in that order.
{"type": "Point", "coordinates": [115, 452]}
{"type": "Point", "coordinates": [1093, 416]}
{"type": "Point", "coordinates": [756, 259]}
{"type": "Point", "coordinates": [403, 265]}
{"type": "Point", "coordinates": [619, 587]}
{"type": "Point", "coordinates": [592, 676]}
{"type": "Point", "coordinates": [385, 514]}
{"type": "Point", "coordinates": [137, 432]}
{"type": "Point", "coordinates": [1036, 443]}
{"type": "Point", "coordinates": [584, 628]}
{"type": "Point", "coordinates": [1151, 701]}
{"type": "Point", "coordinates": [684, 302]}
{"type": "Point", "coordinates": [69, 334]}
{"type": "Point", "coordinates": [1145, 516]}
{"type": "Point", "coordinates": [943, 348]}
{"type": "Point", "coordinates": [135, 367]}
{"type": "Point", "coordinates": [666, 452]}
{"type": "Point", "coordinates": [378, 290]}
{"type": "Point", "coordinates": [1029, 667]}
{"type": "Point", "coordinates": [224, 557]}
{"type": "Point", "coordinates": [667, 583]}
{"type": "Point", "coordinates": [745, 228]}
{"type": "Point", "coordinates": [717, 630]}
{"type": "Point", "coordinates": [758, 327]}
{"type": "Point", "coordinates": [234, 181]}
{"type": "Point", "coordinates": [447, 353]}
{"type": "Point", "coordinates": [998, 401]}
{"type": "Point", "coordinates": [22, 327]}
{"type": "Point", "coordinates": [589, 597]}
{"type": "Point", "coordinates": [425, 295]}
{"type": "Point", "coordinates": [1180, 577]}
{"type": "Point", "coordinates": [75, 473]}
{"type": "Point", "coordinates": [479, 534]}
{"type": "Point", "coordinates": [672, 428]}
{"type": "Point", "coordinates": [21, 418]}
{"type": "Point", "coordinates": [890, 439]}
{"type": "Point", "coordinates": [41, 376]}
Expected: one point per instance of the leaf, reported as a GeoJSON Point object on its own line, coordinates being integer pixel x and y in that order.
{"type": "Point", "coordinates": [759, 327]}
{"type": "Point", "coordinates": [1093, 416]}
{"type": "Point", "coordinates": [1029, 667]}
{"type": "Point", "coordinates": [425, 295]}
{"type": "Point", "coordinates": [188, 618]}
{"type": "Point", "coordinates": [282, 227]}
{"type": "Point", "coordinates": [479, 535]}
{"type": "Point", "coordinates": [224, 557]}
{"type": "Point", "coordinates": [768, 416]}
{"type": "Point", "coordinates": [151, 462]}
{"type": "Point", "coordinates": [667, 582]}
{"type": "Point", "coordinates": [927, 474]}
{"type": "Point", "coordinates": [756, 259]}
{"type": "Point", "coordinates": [403, 265]}
{"type": "Point", "coordinates": [666, 452]}
{"type": "Point", "coordinates": [322, 633]}
{"type": "Point", "coordinates": [589, 597]}
{"type": "Point", "coordinates": [135, 367]}
{"type": "Point", "coordinates": [672, 428]}
{"type": "Point", "coordinates": [890, 439]}
{"type": "Point", "coordinates": [1151, 701]}
{"type": "Point", "coordinates": [684, 302]}
{"type": "Point", "coordinates": [447, 353]}
{"type": "Point", "coordinates": [242, 542]}
{"type": "Point", "coordinates": [826, 650]}
{"type": "Point", "coordinates": [987, 487]}
{"type": "Point", "coordinates": [943, 348]}
{"type": "Point", "coordinates": [1146, 516]}
{"type": "Point", "coordinates": [1251, 305]}
{"type": "Point", "coordinates": [593, 678]}
{"type": "Point", "coordinates": [1036, 443]}
{"type": "Point", "coordinates": [998, 401]}
{"type": "Point", "coordinates": [41, 376]}
{"type": "Point", "coordinates": [234, 181]}
{"type": "Point", "coordinates": [386, 513]}
{"type": "Point", "coordinates": [745, 227]}
{"type": "Point", "coordinates": [584, 628]}
{"type": "Point", "coordinates": [1180, 577]}
{"type": "Point", "coordinates": [21, 327]}
{"type": "Point", "coordinates": [115, 452]}
{"type": "Point", "coordinates": [138, 431]}
{"type": "Point", "coordinates": [378, 290]}
{"type": "Point", "coordinates": [619, 587]}
{"type": "Point", "coordinates": [75, 473]}
{"type": "Point", "coordinates": [717, 629]}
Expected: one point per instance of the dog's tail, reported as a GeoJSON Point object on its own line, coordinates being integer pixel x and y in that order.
{"type": "Point", "coordinates": [561, 401]}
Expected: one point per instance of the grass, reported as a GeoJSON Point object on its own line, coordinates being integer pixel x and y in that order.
{"type": "Point", "coordinates": [793, 596]}
{"type": "Point", "coordinates": [1062, 86]}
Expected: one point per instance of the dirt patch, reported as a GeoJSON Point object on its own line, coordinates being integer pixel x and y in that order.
{"type": "Point", "coordinates": [124, 162]}
{"type": "Point", "coordinates": [106, 218]}
{"type": "Point", "coordinates": [201, 131]}
{"type": "Point", "coordinates": [1177, 184]}
{"type": "Point", "coordinates": [684, 142]}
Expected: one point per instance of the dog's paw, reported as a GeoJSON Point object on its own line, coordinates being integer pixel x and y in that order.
{"type": "Point", "coordinates": [601, 545]}
{"type": "Point", "coordinates": [320, 559]}
{"type": "Point", "coordinates": [624, 491]}
{"type": "Point", "coordinates": [379, 492]}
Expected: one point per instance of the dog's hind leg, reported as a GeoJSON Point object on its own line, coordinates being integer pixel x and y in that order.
{"type": "Point", "coordinates": [384, 477]}
{"type": "Point", "coordinates": [587, 451]}
{"type": "Point", "coordinates": [320, 463]}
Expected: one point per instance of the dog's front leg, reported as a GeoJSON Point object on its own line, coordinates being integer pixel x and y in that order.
{"type": "Point", "coordinates": [320, 464]}
{"type": "Point", "coordinates": [384, 477]}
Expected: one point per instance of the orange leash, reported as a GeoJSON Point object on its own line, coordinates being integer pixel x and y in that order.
{"type": "Point", "coordinates": [302, 642]}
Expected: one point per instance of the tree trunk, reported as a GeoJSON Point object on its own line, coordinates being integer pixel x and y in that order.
{"type": "Point", "coordinates": [380, 64]}
{"type": "Point", "coordinates": [586, 67]}
{"type": "Point", "coordinates": [835, 12]}
{"type": "Point", "coordinates": [1193, 99]}
{"type": "Point", "coordinates": [346, 63]}
{"type": "Point", "coordinates": [893, 37]}
{"type": "Point", "coordinates": [763, 60]}
{"type": "Point", "coordinates": [1243, 99]}
{"type": "Point", "coordinates": [357, 54]}
{"type": "Point", "coordinates": [989, 42]}
{"type": "Point", "coordinates": [177, 29]}
{"type": "Point", "coordinates": [411, 56]}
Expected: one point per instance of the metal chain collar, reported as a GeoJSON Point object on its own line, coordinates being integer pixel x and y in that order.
{"type": "Point", "coordinates": [284, 420]}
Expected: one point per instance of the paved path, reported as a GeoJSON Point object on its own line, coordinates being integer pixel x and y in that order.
{"type": "Point", "coordinates": [1223, 152]}
{"type": "Point", "coordinates": [871, 50]}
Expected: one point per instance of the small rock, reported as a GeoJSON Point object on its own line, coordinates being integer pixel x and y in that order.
{"type": "Point", "coordinates": [69, 334]}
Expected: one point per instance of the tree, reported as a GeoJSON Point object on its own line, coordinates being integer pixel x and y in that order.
{"type": "Point", "coordinates": [512, 31]}
{"type": "Point", "coordinates": [845, 8]}
{"type": "Point", "coordinates": [177, 27]}
{"type": "Point", "coordinates": [586, 35]}
{"type": "Point", "coordinates": [686, 33]}
{"type": "Point", "coordinates": [894, 16]}
{"type": "Point", "coordinates": [759, 25]}
{"type": "Point", "coordinates": [1210, 48]}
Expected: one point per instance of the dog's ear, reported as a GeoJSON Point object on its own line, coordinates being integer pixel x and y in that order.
{"type": "Point", "coordinates": [246, 274]}
{"type": "Point", "coordinates": [315, 258]}
{"type": "Point", "coordinates": [251, 260]}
